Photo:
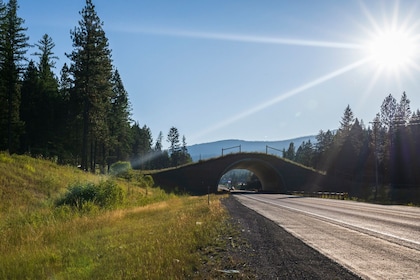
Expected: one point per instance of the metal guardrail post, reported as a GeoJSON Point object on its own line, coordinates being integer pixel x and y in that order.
{"type": "Point", "coordinates": [224, 149]}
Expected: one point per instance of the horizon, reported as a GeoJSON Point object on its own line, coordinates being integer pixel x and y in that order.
{"type": "Point", "coordinates": [232, 139]}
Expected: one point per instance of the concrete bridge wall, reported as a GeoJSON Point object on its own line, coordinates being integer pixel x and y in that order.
{"type": "Point", "coordinates": [274, 173]}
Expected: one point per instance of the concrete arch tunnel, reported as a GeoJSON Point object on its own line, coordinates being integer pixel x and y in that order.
{"type": "Point", "coordinates": [270, 178]}
{"type": "Point", "coordinates": [275, 174]}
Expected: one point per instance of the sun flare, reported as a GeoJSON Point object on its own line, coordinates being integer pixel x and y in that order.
{"type": "Point", "coordinates": [392, 49]}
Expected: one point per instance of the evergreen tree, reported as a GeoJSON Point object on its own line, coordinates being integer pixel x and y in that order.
{"type": "Point", "coordinates": [304, 154]}
{"type": "Point", "coordinates": [346, 124]}
{"type": "Point", "coordinates": [388, 112]}
{"type": "Point", "coordinates": [174, 146]}
{"type": "Point", "coordinates": [13, 47]}
{"type": "Point", "coordinates": [403, 111]}
{"type": "Point", "coordinates": [185, 157]}
{"type": "Point", "coordinates": [173, 139]}
{"type": "Point", "coordinates": [158, 144]}
{"type": "Point", "coordinates": [49, 106]}
{"type": "Point", "coordinates": [29, 111]}
{"type": "Point", "coordinates": [388, 117]}
{"type": "Point", "coordinates": [118, 120]}
{"type": "Point", "coordinates": [92, 71]}
{"type": "Point", "coordinates": [65, 83]}
{"type": "Point", "coordinates": [400, 156]}
{"type": "Point", "coordinates": [323, 149]}
{"type": "Point", "coordinates": [290, 153]}
{"type": "Point", "coordinates": [160, 158]}
{"type": "Point", "coordinates": [357, 135]}
{"type": "Point", "coordinates": [142, 146]}
{"type": "Point", "coordinates": [47, 63]}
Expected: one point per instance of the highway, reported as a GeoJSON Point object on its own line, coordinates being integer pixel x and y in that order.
{"type": "Point", "coordinates": [373, 241]}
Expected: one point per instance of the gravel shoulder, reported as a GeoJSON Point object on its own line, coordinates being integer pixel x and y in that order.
{"type": "Point", "coordinates": [265, 250]}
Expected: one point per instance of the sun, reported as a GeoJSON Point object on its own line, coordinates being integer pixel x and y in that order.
{"type": "Point", "coordinates": [392, 49]}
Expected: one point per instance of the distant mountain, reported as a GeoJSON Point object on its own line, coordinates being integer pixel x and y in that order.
{"type": "Point", "coordinates": [214, 149]}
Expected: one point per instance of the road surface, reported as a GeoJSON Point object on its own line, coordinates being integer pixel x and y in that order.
{"type": "Point", "coordinates": [373, 241]}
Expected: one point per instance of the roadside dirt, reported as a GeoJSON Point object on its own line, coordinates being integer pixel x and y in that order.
{"type": "Point", "coordinates": [263, 250]}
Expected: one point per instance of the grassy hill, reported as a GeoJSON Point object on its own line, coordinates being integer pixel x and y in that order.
{"type": "Point", "coordinates": [151, 235]}
{"type": "Point", "coordinates": [27, 184]}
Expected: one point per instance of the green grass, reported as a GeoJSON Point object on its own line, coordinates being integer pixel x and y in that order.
{"type": "Point", "coordinates": [159, 241]}
{"type": "Point", "coordinates": [154, 235]}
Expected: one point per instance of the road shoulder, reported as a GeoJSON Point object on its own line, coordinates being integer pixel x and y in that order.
{"type": "Point", "coordinates": [273, 253]}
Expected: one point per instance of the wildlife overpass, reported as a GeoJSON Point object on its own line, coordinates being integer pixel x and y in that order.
{"type": "Point", "coordinates": [275, 174]}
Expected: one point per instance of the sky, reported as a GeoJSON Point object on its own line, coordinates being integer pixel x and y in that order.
{"type": "Point", "coordinates": [256, 70]}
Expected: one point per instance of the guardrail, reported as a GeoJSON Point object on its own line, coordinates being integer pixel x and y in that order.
{"type": "Point", "coordinates": [330, 195]}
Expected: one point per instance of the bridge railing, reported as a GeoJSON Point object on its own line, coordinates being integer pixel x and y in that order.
{"type": "Point", "coordinates": [330, 195]}
{"type": "Point", "coordinates": [225, 149]}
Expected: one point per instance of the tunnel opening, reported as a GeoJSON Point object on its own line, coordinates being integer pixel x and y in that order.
{"type": "Point", "coordinates": [239, 179]}
{"type": "Point", "coordinates": [269, 179]}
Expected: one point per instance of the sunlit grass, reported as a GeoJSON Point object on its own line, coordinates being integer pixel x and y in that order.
{"type": "Point", "coordinates": [26, 183]}
{"type": "Point", "coordinates": [154, 235]}
{"type": "Point", "coordinates": [158, 241]}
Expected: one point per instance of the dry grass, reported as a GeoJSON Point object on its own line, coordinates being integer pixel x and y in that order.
{"type": "Point", "coordinates": [164, 238]}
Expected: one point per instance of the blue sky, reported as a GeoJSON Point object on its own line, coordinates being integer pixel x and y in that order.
{"type": "Point", "coordinates": [249, 70]}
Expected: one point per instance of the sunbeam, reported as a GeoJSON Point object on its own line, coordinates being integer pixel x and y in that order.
{"type": "Point", "coordinates": [283, 97]}
{"type": "Point", "coordinates": [250, 39]}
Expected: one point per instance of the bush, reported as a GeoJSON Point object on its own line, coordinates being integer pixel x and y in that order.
{"type": "Point", "coordinates": [110, 195]}
{"type": "Point", "coordinates": [145, 181]}
{"type": "Point", "coordinates": [121, 169]}
{"type": "Point", "coordinates": [106, 194]}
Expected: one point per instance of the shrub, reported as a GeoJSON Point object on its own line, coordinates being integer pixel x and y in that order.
{"type": "Point", "coordinates": [79, 194]}
{"type": "Point", "coordinates": [106, 194]}
{"type": "Point", "coordinates": [145, 181]}
{"type": "Point", "coordinates": [110, 195]}
{"type": "Point", "coordinates": [121, 169]}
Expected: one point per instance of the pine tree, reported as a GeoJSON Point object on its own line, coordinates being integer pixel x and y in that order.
{"type": "Point", "coordinates": [346, 124]}
{"type": "Point", "coordinates": [158, 144]}
{"type": "Point", "coordinates": [13, 47]}
{"type": "Point", "coordinates": [160, 158]}
{"type": "Point", "coordinates": [92, 71]}
{"type": "Point", "coordinates": [290, 153]}
{"type": "Point", "coordinates": [322, 149]}
{"type": "Point", "coordinates": [304, 154]}
{"type": "Point", "coordinates": [388, 116]}
{"type": "Point", "coordinates": [47, 63]}
{"type": "Point", "coordinates": [29, 111]}
{"type": "Point", "coordinates": [403, 111]}
{"type": "Point", "coordinates": [388, 112]}
{"type": "Point", "coordinates": [185, 157]}
{"type": "Point", "coordinates": [174, 146]}
{"type": "Point", "coordinates": [173, 139]}
{"type": "Point", "coordinates": [65, 83]}
{"type": "Point", "coordinates": [141, 147]}
{"type": "Point", "coordinates": [49, 105]}
{"type": "Point", "coordinates": [119, 120]}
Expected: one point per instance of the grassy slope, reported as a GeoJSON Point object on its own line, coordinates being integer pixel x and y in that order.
{"type": "Point", "coordinates": [167, 239]}
{"type": "Point", "coordinates": [27, 183]}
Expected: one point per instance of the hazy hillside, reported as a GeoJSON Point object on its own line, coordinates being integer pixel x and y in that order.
{"type": "Point", "coordinates": [214, 149]}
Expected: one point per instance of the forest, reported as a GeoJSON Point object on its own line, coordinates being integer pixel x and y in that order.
{"type": "Point", "coordinates": [81, 116]}
{"type": "Point", "coordinates": [377, 161]}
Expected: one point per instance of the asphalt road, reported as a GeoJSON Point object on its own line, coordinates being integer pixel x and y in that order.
{"type": "Point", "coordinates": [372, 241]}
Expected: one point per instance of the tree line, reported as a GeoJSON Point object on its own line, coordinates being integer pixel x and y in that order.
{"type": "Point", "coordinates": [382, 156]}
{"type": "Point", "coordinates": [81, 117]}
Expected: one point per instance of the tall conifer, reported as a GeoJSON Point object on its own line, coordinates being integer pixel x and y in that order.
{"type": "Point", "coordinates": [119, 120]}
{"type": "Point", "coordinates": [13, 47]}
{"type": "Point", "coordinates": [92, 71]}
